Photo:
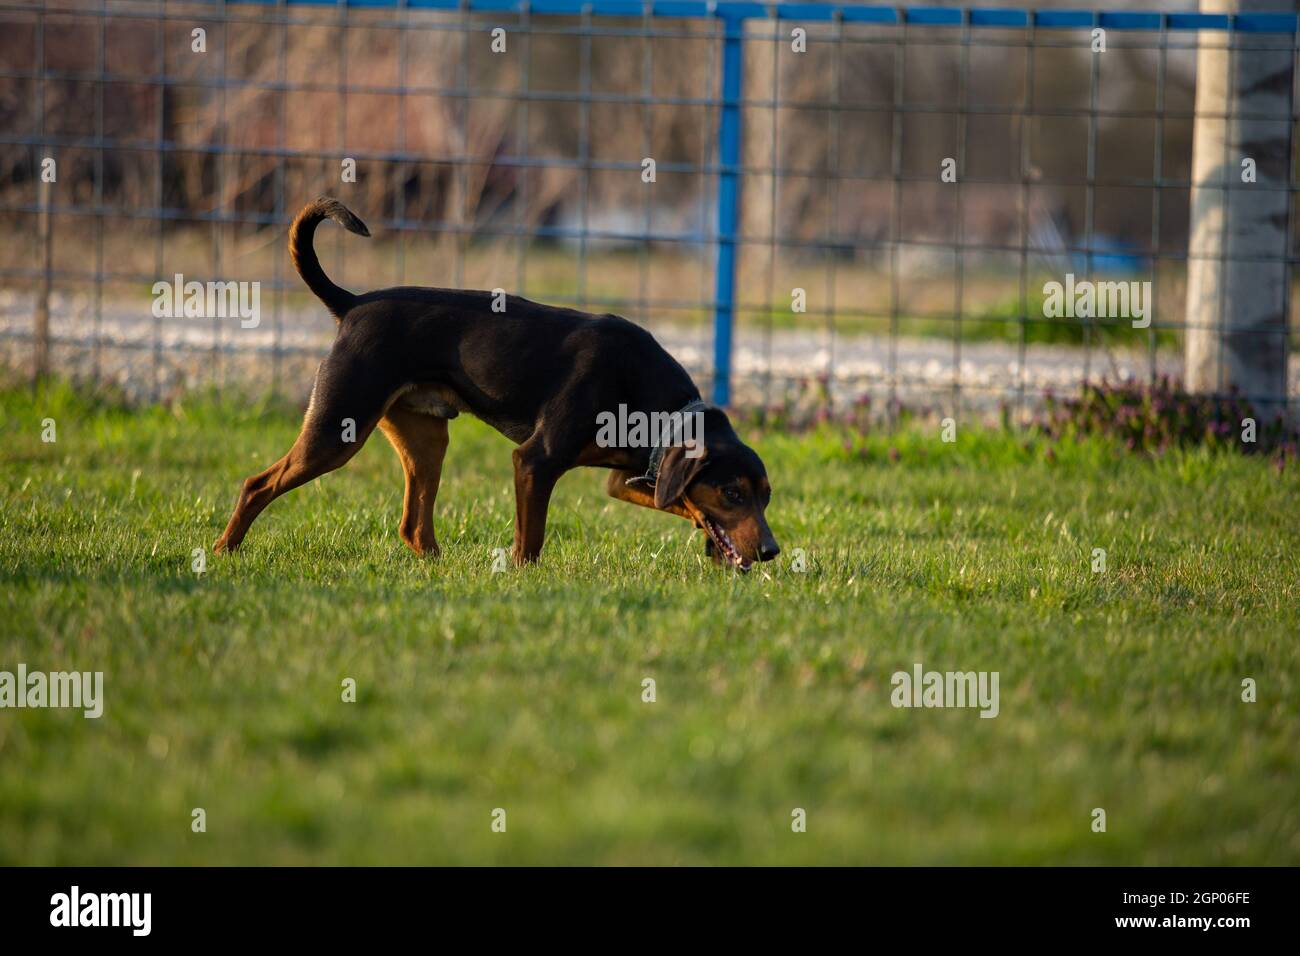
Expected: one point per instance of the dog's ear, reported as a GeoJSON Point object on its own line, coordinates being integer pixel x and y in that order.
{"type": "Point", "coordinates": [676, 472]}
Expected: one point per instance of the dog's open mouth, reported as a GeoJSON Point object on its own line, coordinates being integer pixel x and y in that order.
{"type": "Point", "coordinates": [724, 543]}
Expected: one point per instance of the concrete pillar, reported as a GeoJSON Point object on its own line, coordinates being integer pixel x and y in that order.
{"type": "Point", "coordinates": [1237, 304]}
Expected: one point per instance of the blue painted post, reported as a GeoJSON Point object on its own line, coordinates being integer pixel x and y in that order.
{"type": "Point", "coordinates": [733, 68]}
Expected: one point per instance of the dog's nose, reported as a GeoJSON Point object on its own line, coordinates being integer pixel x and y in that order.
{"type": "Point", "coordinates": [769, 551]}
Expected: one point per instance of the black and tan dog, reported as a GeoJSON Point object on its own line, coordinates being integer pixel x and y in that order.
{"type": "Point", "coordinates": [409, 359]}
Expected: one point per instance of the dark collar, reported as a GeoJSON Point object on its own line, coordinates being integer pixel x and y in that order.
{"type": "Point", "coordinates": [651, 476]}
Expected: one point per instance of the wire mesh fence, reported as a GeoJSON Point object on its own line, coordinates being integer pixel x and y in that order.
{"type": "Point", "coordinates": [814, 206]}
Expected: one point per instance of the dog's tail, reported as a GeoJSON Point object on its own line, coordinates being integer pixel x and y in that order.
{"type": "Point", "coordinates": [336, 299]}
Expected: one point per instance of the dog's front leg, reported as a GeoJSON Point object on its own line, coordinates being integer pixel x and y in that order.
{"type": "Point", "coordinates": [535, 479]}
{"type": "Point", "coordinates": [617, 487]}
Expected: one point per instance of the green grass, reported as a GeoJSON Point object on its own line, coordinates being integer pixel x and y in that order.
{"type": "Point", "coordinates": [522, 690]}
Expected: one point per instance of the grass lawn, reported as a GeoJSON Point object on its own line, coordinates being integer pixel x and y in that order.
{"type": "Point", "coordinates": [523, 690]}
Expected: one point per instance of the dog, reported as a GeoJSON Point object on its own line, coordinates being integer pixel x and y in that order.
{"type": "Point", "coordinates": [408, 360]}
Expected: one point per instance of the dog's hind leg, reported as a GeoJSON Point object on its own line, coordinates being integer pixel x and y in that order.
{"type": "Point", "coordinates": [344, 410]}
{"type": "Point", "coordinates": [421, 443]}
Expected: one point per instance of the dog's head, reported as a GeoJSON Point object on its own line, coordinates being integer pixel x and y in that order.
{"type": "Point", "coordinates": [723, 485]}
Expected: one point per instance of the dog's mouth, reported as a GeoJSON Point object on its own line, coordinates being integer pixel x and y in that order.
{"type": "Point", "coordinates": [724, 543]}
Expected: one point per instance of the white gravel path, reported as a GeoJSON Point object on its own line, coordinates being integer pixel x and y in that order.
{"type": "Point", "coordinates": [135, 346]}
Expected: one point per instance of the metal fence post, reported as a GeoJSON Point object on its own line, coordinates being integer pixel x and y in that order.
{"type": "Point", "coordinates": [729, 133]}
{"type": "Point", "coordinates": [44, 231]}
{"type": "Point", "coordinates": [45, 237]}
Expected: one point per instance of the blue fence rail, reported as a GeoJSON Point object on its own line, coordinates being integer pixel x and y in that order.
{"type": "Point", "coordinates": [734, 20]}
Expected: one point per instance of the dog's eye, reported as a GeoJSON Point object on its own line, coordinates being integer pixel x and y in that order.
{"type": "Point", "coordinates": [733, 495]}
